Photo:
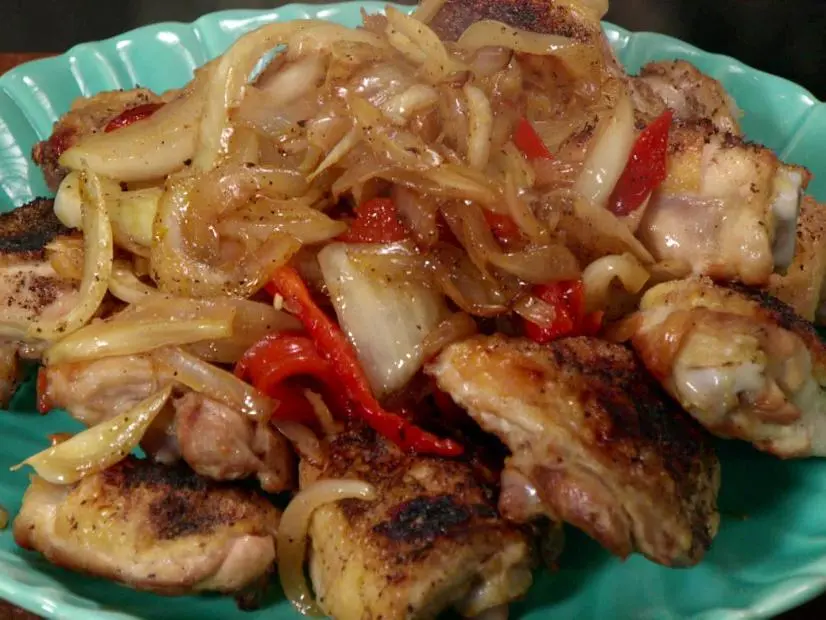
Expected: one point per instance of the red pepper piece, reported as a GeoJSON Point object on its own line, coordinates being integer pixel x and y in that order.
{"type": "Point", "coordinates": [529, 142]}
{"type": "Point", "coordinates": [568, 300]}
{"type": "Point", "coordinates": [502, 226]}
{"type": "Point", "coordinates": [127, 117]}
{"type": "Point", "coordinates": [646, 167]}
{"type": "Point", "coordinates": [44, 404]}
{"type": "Point", "coordinates": [377, 221]}
{"type": "Point", "coordinates": [333, 346]}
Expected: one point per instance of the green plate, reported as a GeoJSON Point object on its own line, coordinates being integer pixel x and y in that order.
{"type": "Point", "coordinates": [771, 551]}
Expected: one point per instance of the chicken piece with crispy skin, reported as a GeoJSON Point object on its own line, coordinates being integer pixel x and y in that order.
{"type": "Point", "coordinates": [727, 208]}
{"type": "Point", "coordinates": [802, 284]}
{"type": "Point", "coordinates": [740, 361]}
{"type": "Point", "coordinates": [690, 94]}
{"type": "Point", "coordinates": [430, 541]}
{"type": "Point", "coordinates": [215, 440]}
{"type": "Point", "coordinates": [153, 528]}
{"type": "Point", "coordinates": [87, 116]}
{"type": "Point", "coordinates": [602, 445]}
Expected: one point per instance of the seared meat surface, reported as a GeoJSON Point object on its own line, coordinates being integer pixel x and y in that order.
{"type": "Point", "coordinates": [224, 444]}
{"type": "Point", "coordinates": [722, 206]}
{"type": "Point", "coordinates": [740, 361]}
{"type": "Point", "coordinates": [604, 448]}
{"type": "Point", "coordinates": [431, 540]}
{"type": "Point", "coordinates": [547, 17]}
{"type": "Point", "coordinates": [801, 286]}
{"type": "Point", "coordinates": [87, 116]}
{"type": "Point", "coordinates": [690, 94]}
{"type": "Point", "coordinates": [215, 440]}
{"type": "Point", "coordinates": [29, 287]}
{"type": "Point", "coordinates": [153, 528]}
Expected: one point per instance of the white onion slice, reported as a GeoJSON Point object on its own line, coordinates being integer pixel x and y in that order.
{"type": "Point", "coordinates": [228, 84]}
{"type": "Point", "coordinates": [599, 275]}
{"type": "Point", "coordinates": [399, 108]}
{"type": "Point", "coordinates": [293, 530]}
{"type": "Point", "coordinates": [98, 447]}
{"type": "Point", "coordinates": [98, 254]}
{"type": "Point", "coordinates": [215, 383]}
{"type": "Point", "coordinates": [490, 33]}
{"type": "Point", "coordinates": [480, 127]}
{"type": "Point", "coordinates": [125, 337]}
{"type": "Point", "coordinates": [126, 286]}
{"type": "Point", "coordinates": [608, 154]}
{"type": "Point", "coordinates": [387, 322]}
{"type": "Point", "coordinates": [150, 149]}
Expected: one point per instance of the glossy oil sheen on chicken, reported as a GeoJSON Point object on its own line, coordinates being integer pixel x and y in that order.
{"type": "Point", "coordinates": [430, 541]}
{"type": "Point", "coordinates": [605, 449]}
{"type": "Point", "coordinates": [152, 528]}
{"type": "Point", "coordinates": [740, 361]}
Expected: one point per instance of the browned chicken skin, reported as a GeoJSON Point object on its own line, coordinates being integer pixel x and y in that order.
{"type": "Point", "coordinates": [605, 449]}
{"type": "Point", "coordinates": [152, 528]}
{"type": "Point", "coordinates": [740, 361]}
{"type": "Point", "coordinates": [430, 541]}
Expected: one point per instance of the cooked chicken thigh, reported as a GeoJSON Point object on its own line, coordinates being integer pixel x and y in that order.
{"type": "Point", "coordinates": [740, 361]}
{"type": "Point", "coordinates": [430, 541]}
{"type": "Point", "coordinates": [727, 208]}
{"type": "Point", "coordinates": [215, 440]}
{"type": "Point", "coordinates": [152, 528]}
{"type": "Point", "coordinates": [596, 438]}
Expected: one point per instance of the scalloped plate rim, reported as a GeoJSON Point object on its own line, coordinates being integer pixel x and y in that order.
{"type": "Point", "coordinates": [780, 595]}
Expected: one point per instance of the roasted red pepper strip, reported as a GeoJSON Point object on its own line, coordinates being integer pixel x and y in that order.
{"type": "Point", "coordinates": [274, 359]}
{"type": "Point", "coordinates": [377, 221]}
{"type": "Point", "coordinates": [44, 405]}
{"type": "Point", "coordinates": [568, 300]}
{"type": "Point", "coordinates": [502, 226]}
{"type": "Point", "coordinates": [127, 117]}
{"type": "Point", "coordinates": [333, 345]}
{"type": "Point", "coordinates": [529, 142]}
{"type": "Point", "coordinates": [646, 167]}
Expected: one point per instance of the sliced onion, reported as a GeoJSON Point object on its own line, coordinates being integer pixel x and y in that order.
{"type": "Point", "coordinates": [177, 271]}
{"type": "Point", "coordinates": [325, 36]}
{"type": "Point", "coordinates": [294, 528]}
{"type": "Point", "coordinates": [599, 275]}
{"type": "Point", "coordinates": [480, 127]}
{"type": "Point", "coordinates": [386, 321]}
{"type": "Point", "coordinates": [490, 60]}
{"type": "Point", "coordinates": [456, 327]}
{"type": "Point", "coordinates": [469, 288]}
{"type": "Point", "coordinates": [490, 33]}
{"type": "Point", "coordinates": [608, 154]}
{"type": "Point", "coordinates": [427, 10]}
{"type": "Point", "coordinates": [99, 447]}
{"type": "Point", "coordinates": [131, 213]}
{"type": "Point", "coordinates": [302, 439]}
{"type": "Point", "coordinates": [521, 213]}
{"type": "Point", "coordinates": [305, 224]}
{"type": "Point", "coordinates": [293, 80]}
{"type": "Point", "coordinates": [337, 153]}
{"type": "Point", "coordinates": [421, 46]}
{"type": "Point", "coordinates": [325, 418]}
{"type": "Point", "coordinates": [228, 84]}
{"type": "Point", "coordinates": [150, 149]}
{"type": "Point", "coordinates": [419, 213]}
{"type": "Point", "coordinates": [535, 310]}
{"type": "Point", "coordinates": [126, 286]}
{"type": "Point", "coordinates": [215, 383]}
{"type": "Point", "coordinates": [98, 254]}
{"type": "Point", "coordinates": [399, 108]}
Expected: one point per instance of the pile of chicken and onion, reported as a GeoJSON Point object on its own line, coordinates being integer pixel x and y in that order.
{"type": "Point", "coordinates": [311, 245]}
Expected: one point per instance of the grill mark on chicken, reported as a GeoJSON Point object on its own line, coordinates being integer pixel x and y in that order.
{"type": "Point", "coordinates": [431, 539]}
{"type": "Point", "coordinates": [606, 449]}
{"type": "Point", "coordinates": [25, 231]}
{"type": "Point", "coordinates": [532, 15]}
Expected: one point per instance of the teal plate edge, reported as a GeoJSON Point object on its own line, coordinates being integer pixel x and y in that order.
{"type": "Point", "coordinates": [771, 552]}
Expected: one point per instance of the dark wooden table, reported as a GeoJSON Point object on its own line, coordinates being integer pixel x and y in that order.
{"type": "Point", "coordinates": [816, 610]}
